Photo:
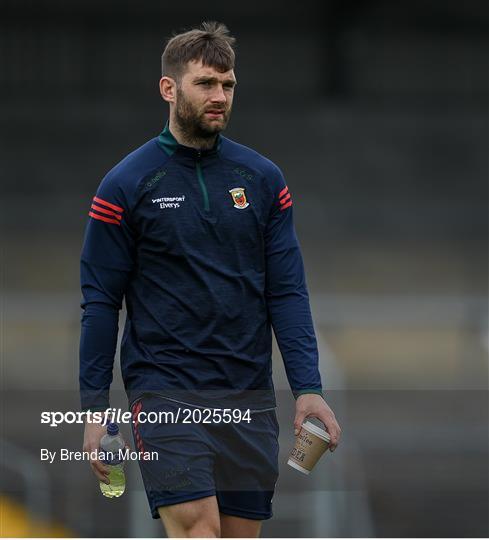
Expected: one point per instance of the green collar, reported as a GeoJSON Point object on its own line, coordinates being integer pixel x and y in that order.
{"type": "Point", "coordinates": [167, 141]}
{"type": "Point", "coordinates": [170, 145]}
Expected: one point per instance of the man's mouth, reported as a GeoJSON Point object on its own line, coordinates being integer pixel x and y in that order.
{"type": "Point", "coordinates": [215, 113]}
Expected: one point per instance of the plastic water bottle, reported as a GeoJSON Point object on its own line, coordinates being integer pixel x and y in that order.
{"type": "Point", "coordinates": [112, 444]}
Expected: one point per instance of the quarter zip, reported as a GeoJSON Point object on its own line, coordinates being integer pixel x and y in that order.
{"type": "Point", "coordinates": [203, 187]}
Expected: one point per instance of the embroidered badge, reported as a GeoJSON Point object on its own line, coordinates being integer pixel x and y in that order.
{"type": "Point", "coordinates": [239, 197]}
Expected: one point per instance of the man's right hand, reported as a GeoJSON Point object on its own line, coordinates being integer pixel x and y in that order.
{"type": "Point", "coordinates": [91, 441]}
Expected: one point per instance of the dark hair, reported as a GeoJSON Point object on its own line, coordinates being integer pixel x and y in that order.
{"type": "Point", "coordinates": [211, 43]}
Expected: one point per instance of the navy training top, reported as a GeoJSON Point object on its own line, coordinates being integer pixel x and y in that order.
{"type": "Point", "coordinates": [202, 245]}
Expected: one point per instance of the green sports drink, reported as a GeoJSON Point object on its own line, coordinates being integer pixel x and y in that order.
{"type": "Point", "coordinates": [117, 480]}
{"type": "Point", "coordinates": [112, 446]}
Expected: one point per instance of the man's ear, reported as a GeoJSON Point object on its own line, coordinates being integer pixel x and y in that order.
{"type": "Point", "coordinates": [168, 89]}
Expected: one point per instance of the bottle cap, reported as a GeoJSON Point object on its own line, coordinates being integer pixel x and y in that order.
{"type": "Point", "coordinates": [112, 429]}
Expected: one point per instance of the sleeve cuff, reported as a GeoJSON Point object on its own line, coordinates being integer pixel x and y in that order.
{"type": "Point", "coordinates": [317, 391]}
{"type": "Point", "coordinates": [94, 400]}
{"type": "Point", "coordinates": [95, 408]}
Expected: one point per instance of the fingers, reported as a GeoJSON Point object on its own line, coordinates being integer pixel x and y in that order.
{"type": "Point", "coordinates": [100, 470]}
{"type": "Point", "coordinates": [298, 421]}
{"type": "Point", "coordinates": [334, 430]}
{"type": "Point", "coordinates": [92, 436]}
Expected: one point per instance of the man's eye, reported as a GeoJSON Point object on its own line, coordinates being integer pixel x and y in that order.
{"type": "Point", "coordinates": [206, 83]}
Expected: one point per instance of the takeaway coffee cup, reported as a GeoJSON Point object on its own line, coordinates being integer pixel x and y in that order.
{"type": "Point", "coordinates": [310, 445]}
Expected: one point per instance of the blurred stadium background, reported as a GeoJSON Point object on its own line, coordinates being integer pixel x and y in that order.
{"type": "Point", "coordinates": [377, 112]}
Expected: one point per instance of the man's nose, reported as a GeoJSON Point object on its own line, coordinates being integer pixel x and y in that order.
{"type": "Point", "coordinates": [218, 96]}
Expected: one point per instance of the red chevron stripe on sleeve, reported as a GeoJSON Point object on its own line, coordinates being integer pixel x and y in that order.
{"type": "Point", "coordinates": [283, 192]}
{"type": "Point", "coordinates": [107, 209]}
{"type": "Point", "coordinates": [107, 212]}
{"type": "Point", "coordinates": [285, 199]}
{"type": "Point", "coordinates": [102, 218]}
{"type": "Point", "coordinates": [108, 204]}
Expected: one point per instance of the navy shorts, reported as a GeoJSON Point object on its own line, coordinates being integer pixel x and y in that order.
{"type": "Point", "coordinates": [236, 461]}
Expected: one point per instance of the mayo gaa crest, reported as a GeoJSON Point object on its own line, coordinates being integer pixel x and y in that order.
{"type": "Point", "coordinates": [239, 197]}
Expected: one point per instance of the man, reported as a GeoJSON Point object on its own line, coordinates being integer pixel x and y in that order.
{"type": "Point", "coordinates": [196, 232]}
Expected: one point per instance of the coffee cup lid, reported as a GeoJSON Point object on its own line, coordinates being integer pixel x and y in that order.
{"type": "Point", "coordinates": [321, 433]}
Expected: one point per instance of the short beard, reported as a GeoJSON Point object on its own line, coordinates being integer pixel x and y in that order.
{"type": "Point", "coordinates": [192, 123]}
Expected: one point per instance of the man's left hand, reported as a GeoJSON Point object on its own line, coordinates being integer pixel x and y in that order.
{"type": "Point", "coordinates": [313, 405]}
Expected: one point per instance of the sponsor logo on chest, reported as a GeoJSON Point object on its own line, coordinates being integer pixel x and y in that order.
{"type": "Point", "coordinates": [238, 198]}
{"type": "Point", "coordinates": [169, 202]}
